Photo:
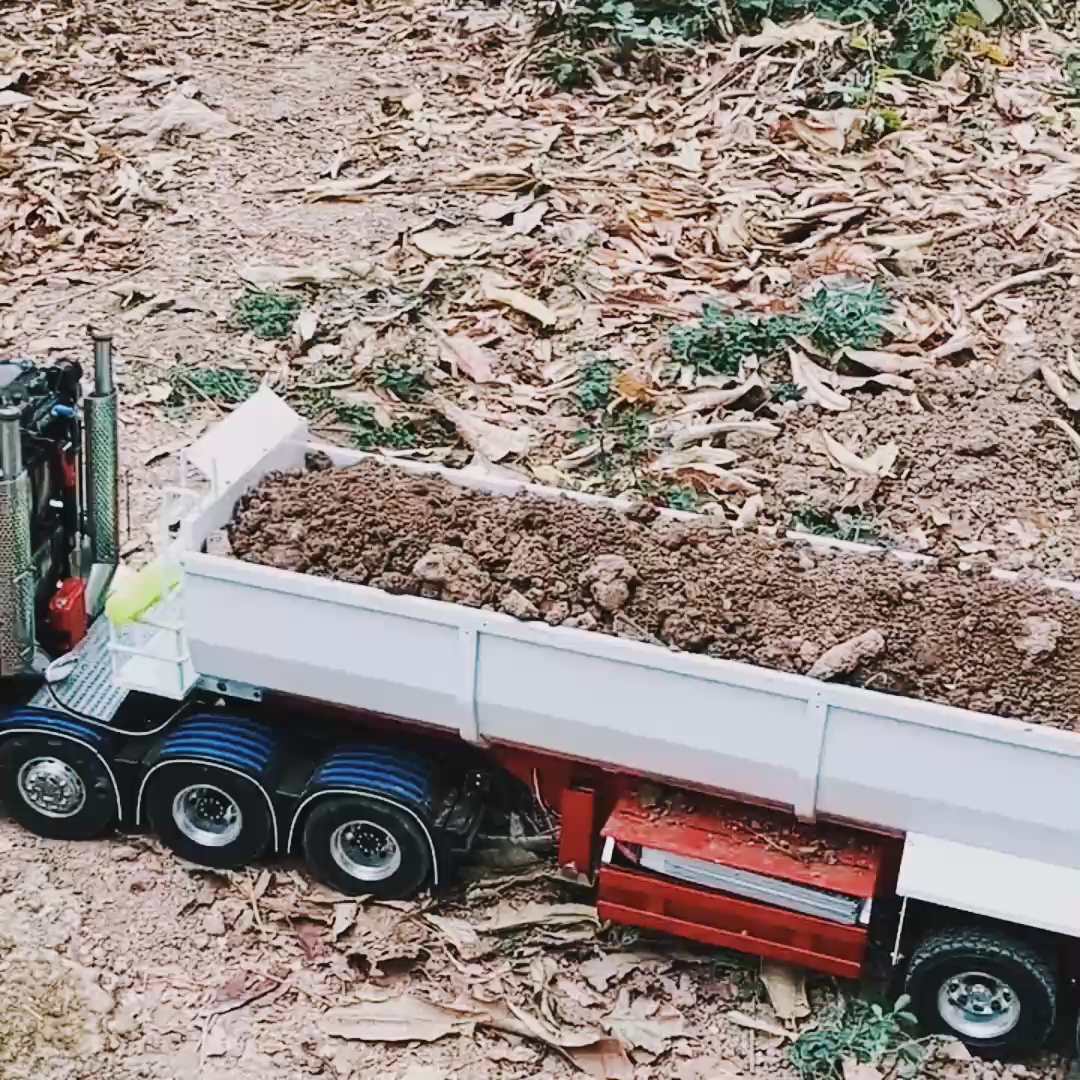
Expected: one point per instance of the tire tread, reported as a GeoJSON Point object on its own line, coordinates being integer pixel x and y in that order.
{"type": "Point", "coordinates": [942, 944]}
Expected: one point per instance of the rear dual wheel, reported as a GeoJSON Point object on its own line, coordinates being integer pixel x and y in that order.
{"type": "Point", "coordinates": [355, 844]}
{"type": "Point", "coordinates": [209, 816]}
{"type": "Point", "coordinates": [363, 846]}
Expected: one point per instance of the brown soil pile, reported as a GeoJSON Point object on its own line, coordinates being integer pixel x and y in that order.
{"type": "Point", "coordinates": [937, 634]}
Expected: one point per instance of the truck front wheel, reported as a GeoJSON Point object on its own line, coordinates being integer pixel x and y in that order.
{"type": "Point", "coordinates": [208, 815]}
{"type": "Point", "coordinates": [364, 846]}
{"type": "Point", "coordinates": [994, 993]}
{"type": "Point", "coordinates": [56, 787]}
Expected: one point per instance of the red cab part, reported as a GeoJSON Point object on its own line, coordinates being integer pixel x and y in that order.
{"type": "Point", "coordinates": [69, 470]}
{"type": "Point", "coordinates": [67, 612]}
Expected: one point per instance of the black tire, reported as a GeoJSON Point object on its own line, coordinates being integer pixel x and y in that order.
{"type": "Point", "coordinates": [96, 810]}
{"type": "Point", "coordinates": [374, 821]}
{"type": "Point", "coordinates": [1020, 973]}
{"type": "Point", "coordinates": [201, 793]}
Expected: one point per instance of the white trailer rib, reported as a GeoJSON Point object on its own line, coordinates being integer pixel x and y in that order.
{"type": "Point", "coordinates": [889, 762]}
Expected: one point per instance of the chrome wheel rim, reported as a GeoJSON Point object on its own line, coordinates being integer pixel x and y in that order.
{"type": "Point", "coordinates": [978, 1005]}
{"type": "Point", "coordinates": [51, 787]}
{"type": "Point", "coordinates": [365, 850]}
{"type": "Point", "coordinates": [207, 815]}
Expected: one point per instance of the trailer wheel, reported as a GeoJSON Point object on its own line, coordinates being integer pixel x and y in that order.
{"type": "Point", "coordinates": [363, 846]}
{"type": "Point", "coordinates": [208, 815]}
{"type": "Point", "coordinates": [994, 993]}
{"type": "Point", "coordinates": [56, 787]}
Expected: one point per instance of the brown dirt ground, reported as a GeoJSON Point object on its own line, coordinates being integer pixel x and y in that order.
{"type": "Point", "coordinates": [951, 636]}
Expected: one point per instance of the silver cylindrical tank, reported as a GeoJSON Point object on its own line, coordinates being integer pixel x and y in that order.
{"type": "Point", "coordinates": [103, 457]}
{"type": "Point", "coordinates": [17, 629]}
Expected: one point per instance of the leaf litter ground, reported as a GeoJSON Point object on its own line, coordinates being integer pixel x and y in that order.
{"type": "Point", "coordinates": [485, 270]}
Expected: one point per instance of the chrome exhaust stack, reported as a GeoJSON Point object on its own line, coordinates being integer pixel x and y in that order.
{"type": "Point", "coordinates": [102, 475]}
{"type": "Point", "coordinates": [17, 623]}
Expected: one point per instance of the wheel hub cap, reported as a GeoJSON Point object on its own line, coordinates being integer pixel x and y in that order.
{"type": "Point", "coordinates": [365, 850]}
{"type": "Point", "coordinates": [207, 815]}
{"type": "Point", "coordinates": [978, 1005]}
{"type": "Point", "coordinates": [52, 787]}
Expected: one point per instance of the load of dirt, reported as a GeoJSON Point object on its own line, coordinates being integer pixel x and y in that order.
{"type": "Point", "coordinates": [929, 631]}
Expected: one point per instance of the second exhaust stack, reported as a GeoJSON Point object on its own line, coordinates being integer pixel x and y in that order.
{"type": "Point", "coordinates": [102, 474]}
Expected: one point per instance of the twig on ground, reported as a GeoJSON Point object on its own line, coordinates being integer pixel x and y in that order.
{"type": "Point", "coordinates": [1029, 277]}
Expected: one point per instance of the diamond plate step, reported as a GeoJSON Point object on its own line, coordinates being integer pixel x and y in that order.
{"type": "Point", "coordinates": [89, 689]}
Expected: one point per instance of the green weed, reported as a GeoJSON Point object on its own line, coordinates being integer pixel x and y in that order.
{"type": "Point", "coordinates": [1072, 74]}
{"type": "Point", "coordinates": [860, 1031]}
{"type": "Point", "coordinates": [721, 341]}
{"type": "Point", "coordinates": [838, 525]}
{"type": "Point", "coordinates": [680, 497]}
{"type": "Point", "coordinates": [919, 30]}
{"type": "Point", "coordinates": [405, 381]}
{"type": "Point", "coordinates": [566, 68]}
{"type": "Point", "coordinates": [366, 433]}
{"type": "Point", "coordinates": [834, 317]}
{"type": "Point", "coordinates": [192, 386]}
{"type": "Point", "coordinates": [786, 391]}
{"type": "Point", "coordinates": [846, 317]}
{"type": "Point", "coordinates": [266, 314]}
{"type": "Point", "coordinates": [625, 443]}
{"type": "Point", "coordinates": [594, 389]}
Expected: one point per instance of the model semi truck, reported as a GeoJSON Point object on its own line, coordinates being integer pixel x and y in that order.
{"type": "Point", "coordinates": [253, 712]}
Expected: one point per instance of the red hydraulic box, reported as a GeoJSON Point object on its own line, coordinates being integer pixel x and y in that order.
{"type": "Point", "coordinates": [743, 878]}
{"type": "Point", "coordinates": [67, 612]}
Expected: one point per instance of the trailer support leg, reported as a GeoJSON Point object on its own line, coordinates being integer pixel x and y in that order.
{"type": "Point", "coordinates": [899, 932]}
{"type": "Point", "coordinates": [577, 809]}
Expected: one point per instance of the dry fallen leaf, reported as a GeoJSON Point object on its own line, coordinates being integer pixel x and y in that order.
{"type": "Point", "coordinates": [468, 356]}
{"type": "Point", "coordinates": [178, 112]}
{"type": "Point", "coordinates": [1066, 395]}
{"type": "Point", "coordinates": [786, 987]}
{"type": "Point", "coordinates": [527, 220]}
{"type": "Point", "coordinates": [635, 387]}
{"type": "Point", "coordinates": [827, 130]}
{"type": "Point", "coordinates": [602, 970]}
{"type": "Point", "coordinates": [344, 916]}
{"type": "Point", "coordinates": [264, 276]}
{"type": "Point", "coordinates": [756, 1023]}
{"type": "Point", "coordinates": [307, 322]}
{"type": "Point", "coordinates": [514, 918]}
{"type": "Point", "coordinates": [879, 463]}
{"type": "Point", "coordinates": [447, 243]}
{"type": "Point", "coordinates": [859, 1070]}
{"type": "Point", "coordinates": [490, 440]}
{"type": "Point", "coordinates": [347, 188]}
{"type": "Point", "coordinates": [1071, 433]}
{"type": "Point", "coordinates": [712, 398]}
{"type": "Point", "coordinates": [652, 1033]}
{"type": "Point", "coordinates": [807, 374]}
{"type": "Point", "coordinates": [808, 31]}
{"type": "Point", "coordinates": [401, 1019]}
{"type": "Point", "coordinates": [696, 433]}
{"type": "Point", "coordinates": [519, 301]}
{"type": "Point", "coordinates": [749, 512]}
{"type": "Point", "coordinates": [462, 934]}
{"type": "Point", "coordinates": [886, 362]}
{"type": "Point", "coordinates": [672, 460]}
{"type": "Point", "coordinates": [989, 11]}
{"type": "Point", "coordinates": [12, 99]}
